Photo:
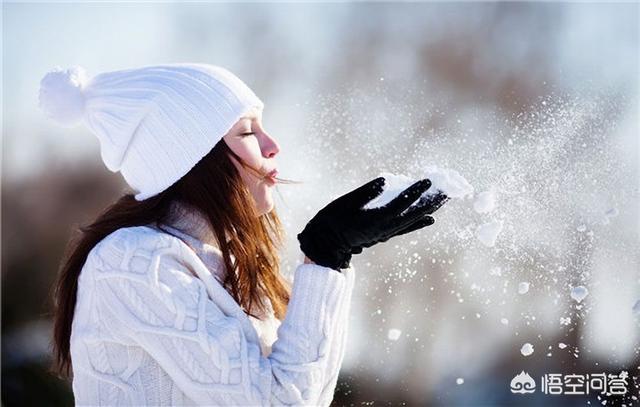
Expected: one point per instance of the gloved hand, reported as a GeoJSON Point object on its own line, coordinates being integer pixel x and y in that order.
{"type": "Point", "coordinates": [343, 228]}
{"type": "Point", "coordinates": [428, 203]}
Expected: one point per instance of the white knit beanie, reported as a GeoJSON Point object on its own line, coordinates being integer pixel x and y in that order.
{"type": "Point", "coordinates": [154, 123]}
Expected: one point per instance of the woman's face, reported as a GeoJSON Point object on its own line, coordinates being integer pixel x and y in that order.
{"type": "Point", "coordinates": [251, 142]}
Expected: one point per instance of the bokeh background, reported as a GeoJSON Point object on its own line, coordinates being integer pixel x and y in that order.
{"type": "Point", "coordinates": [537, 102]}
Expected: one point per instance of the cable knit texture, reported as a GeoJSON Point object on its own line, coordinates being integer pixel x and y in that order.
{"type": "Point", "coordinates": [154, 326]}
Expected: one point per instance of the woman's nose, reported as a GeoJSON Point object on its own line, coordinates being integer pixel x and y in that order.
{"type": "Point", "coordinates": [270, 147]}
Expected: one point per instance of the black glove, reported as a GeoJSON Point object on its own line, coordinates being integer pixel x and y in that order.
{"type": "Point", "coordinates": [427, 204]}
{"type": "Point", "coordinates": [343, 228]}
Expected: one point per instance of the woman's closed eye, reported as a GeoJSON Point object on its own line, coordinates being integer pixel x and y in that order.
{"type": "Point", "coordinates": [247, 134]}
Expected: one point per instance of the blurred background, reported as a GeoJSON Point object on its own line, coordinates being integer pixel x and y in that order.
{"type": "Point", "coordinates": [535, 102]}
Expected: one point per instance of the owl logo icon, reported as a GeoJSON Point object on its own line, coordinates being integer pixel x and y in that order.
{"type": "Point", "coordinates": [523, 383]}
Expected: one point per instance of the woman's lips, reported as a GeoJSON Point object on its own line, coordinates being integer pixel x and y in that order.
{"type": "Point", "coordinates": [271, 177]}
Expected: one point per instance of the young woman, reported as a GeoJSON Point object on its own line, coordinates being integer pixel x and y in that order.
{"type": "Point", "coordinates": [173, 295]}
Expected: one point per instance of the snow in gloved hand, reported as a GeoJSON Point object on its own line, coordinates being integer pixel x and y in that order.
{"type": "Point", "coordinates": [443, 181]}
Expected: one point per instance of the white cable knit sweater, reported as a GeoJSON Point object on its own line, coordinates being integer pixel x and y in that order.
{"type": "Point", "coordinates": [154, 326]}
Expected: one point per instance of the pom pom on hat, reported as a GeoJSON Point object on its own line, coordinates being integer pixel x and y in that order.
{"type": "Point", "coordinates": [61, 95]}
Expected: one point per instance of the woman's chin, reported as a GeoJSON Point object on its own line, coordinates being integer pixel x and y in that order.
{"type": "Point", "coordinates": [266, 206]}
{"type": "Point", "coordinates": [269, 208]}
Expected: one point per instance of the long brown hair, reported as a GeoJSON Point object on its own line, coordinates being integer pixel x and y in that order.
{"type": "Point", "coordinates": [215, 188]}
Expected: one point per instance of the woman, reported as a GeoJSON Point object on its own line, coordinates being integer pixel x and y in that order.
{"type": "Point", "coordinates": [173, 295]}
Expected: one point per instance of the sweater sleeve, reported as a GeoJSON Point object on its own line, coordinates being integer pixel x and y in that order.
{"type": "Point", "coordinates": [339, 346]}
{"type": "Point", "coordinates": [150, 298]}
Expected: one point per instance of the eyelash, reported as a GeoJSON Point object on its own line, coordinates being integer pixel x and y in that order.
{"type": "Point", "coordinates": [248, 134]}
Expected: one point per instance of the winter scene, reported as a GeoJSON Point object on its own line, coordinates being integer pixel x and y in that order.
{"type": "Point", "coordinates": [510, 278]}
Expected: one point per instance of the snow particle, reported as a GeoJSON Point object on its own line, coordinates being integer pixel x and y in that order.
{"type": "Point", "coordinates": [504, 321]}
{"type": "Point", "coordinates": [488, 233]}
{"type": "Point", "coordinates": [562, 345]}
{"type": "Point", "coordinates": [394, 334]}
{"type": "Point", "coordinates": [523, 287]}
{"type": "Point", "coordinates": [485, 202]}
{"type": "Point", "coordinates": [459, 380]}
{"type": "Point", "coordinates": [579, 293]}
{"type": "Point", "coordinates": [527, 349]}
